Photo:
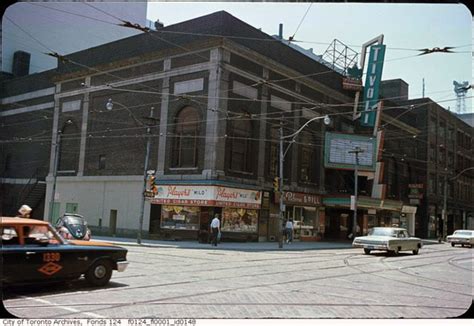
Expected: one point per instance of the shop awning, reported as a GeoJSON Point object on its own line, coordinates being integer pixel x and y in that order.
{"type": "Point", "coordinates": [364, 202]}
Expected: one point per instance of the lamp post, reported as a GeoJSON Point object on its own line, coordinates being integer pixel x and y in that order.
{"type": "Point", "coordinates": [293, 136]}
{"type": "Point", "coordinates": [355, 151]}
{"type": "Point", "coordinates": [445, 201]}
{"type": "Point", "coordinates": [109, 107]}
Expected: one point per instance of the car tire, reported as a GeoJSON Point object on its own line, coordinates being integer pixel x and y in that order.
{"type": "Point", "coordinates": [395, 251]}
{"type": "Point", "coordinates": [366, 251]}
{"type": "Point", "coordinates": [99, 273]}
{"type": "Point", "coordinates": [452, 244]}
{"type": "Point", "coordinates": [415, 252]}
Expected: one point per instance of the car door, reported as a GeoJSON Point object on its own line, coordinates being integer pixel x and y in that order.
{"type": "Point", "coordinates": [11, 254]}
{"type": "Point", "coordinates": [44, 257]}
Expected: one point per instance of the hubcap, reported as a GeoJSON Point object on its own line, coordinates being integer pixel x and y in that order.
{"type": "Point", "coordinates": [100, 271]}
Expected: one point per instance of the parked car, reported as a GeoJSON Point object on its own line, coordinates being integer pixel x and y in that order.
{"type": "Point", "coordinates": [32, 251]}
{"type": "Point", "coordinates": [462, 237]}
{"type": "Point", "coordinates": [73, 226]}
{"type": "Point", "coordinates": [390, 239]}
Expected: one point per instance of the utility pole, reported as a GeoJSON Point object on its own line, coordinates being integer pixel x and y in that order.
{"type": "Point", "coordinates": [356, 151]}
{"type": "Point", "coordinates": [55, 174]}
{"type": "Point", "coordinates": [145, 169]}
{"type": "Point", "coordinates": [444, 216]}
{"type": "Point", "coordinates": [281, 219]}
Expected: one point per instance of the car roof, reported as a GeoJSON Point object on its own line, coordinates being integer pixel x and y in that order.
{"type": "Point", "coordinates": [389, 228]}
{"type": "Point", "coordinates": [463, 230]}
{"type": "Point", "coordinates": [22, 221]}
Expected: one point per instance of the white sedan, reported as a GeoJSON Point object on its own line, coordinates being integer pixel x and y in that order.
{"type": "Point", "coordinates": [388, 239]}
{"type": "Point", "coordinates": [462, 237]}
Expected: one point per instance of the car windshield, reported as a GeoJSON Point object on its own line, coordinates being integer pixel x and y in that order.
{"type": "Point", "coordinates": [73, 220]}
{"type": "Point", "coordinates": [463, 233]}
{"type": "Point", "coordinates": [36, 234]}
{"type": "Point", "coordinates": [382, 232]}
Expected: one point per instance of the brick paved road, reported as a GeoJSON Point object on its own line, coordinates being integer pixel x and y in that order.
{"type": "Point", "coordinates": [222, 283]}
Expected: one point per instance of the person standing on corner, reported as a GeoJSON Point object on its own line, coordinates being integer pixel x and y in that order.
{"type": "Point", "coordinates": [215, 229]}
{"type": "Point", "coordinates": [289, 231]}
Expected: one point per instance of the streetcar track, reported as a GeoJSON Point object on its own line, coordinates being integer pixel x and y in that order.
{"type": "Point", "coordinates": [398, 280]}
{"type": "Point", "coordinates": [345, 262]}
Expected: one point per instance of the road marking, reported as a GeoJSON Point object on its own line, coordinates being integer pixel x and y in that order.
{"type": "Point", "coordinates": [91, 314]}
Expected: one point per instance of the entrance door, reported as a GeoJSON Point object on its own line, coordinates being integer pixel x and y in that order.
{"type": "Point", "coordinates": [263, 225]}
{"type": "Point", "coordinates": [72, 208]}
{"type": "Point", "coordinates": [113, 221]}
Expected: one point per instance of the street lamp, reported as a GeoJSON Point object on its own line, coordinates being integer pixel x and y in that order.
{"type": "Point", "coordinates": [355, 151]}
{"type": "Point", "coordinates": [445, 200]}
{"type": "Point", "coordinates": [293, 136]}
{"type": "Point", "coordinates": [109, 106]}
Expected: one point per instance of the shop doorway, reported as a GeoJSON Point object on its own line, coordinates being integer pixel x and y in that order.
{"type": "Point", "coordinates": [155, 214]}
{"type": "Point", "coordinates": [204, 225]}
{"type": "Point", "coordinates": [113, 222]}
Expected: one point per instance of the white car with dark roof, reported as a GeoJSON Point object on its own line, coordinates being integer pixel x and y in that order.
{"type": "Point", "coordinates": [462, 237]}
{"type": "Point", "coordinates": [389, 239]}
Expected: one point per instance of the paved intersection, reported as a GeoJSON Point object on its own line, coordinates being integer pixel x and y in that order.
{"type": "Point", "coordinates": [231, 281]}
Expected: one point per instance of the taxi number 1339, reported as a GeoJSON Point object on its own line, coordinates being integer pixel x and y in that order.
{"type": "Point", "coordinates": [51, 256]}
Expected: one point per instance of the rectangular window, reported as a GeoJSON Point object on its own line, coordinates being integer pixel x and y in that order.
{"type": "Point", "coordinates": [305, 165]}
{"type": "Point", "coordinates": [239, 155]}
{"type": "Point", "coordinates": [180, 217]}
{"type": "Point", "coordinates": [72, 208]}
{"type": "Point", "coordinates": [239, 220]}
{"type": "Point", "coordinates": [432, 184]}
{"type": "Point", "coordinates": [101, 162]}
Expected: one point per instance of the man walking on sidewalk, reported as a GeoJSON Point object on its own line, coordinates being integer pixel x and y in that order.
{"type": "Point", "coordinates": [289, 231]}
{"type": "Point", "coordinates": [215, 229]}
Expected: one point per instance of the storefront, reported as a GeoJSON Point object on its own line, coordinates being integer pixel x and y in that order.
{"type": "Point", "coordinates": [307, 214]}
{"type": "Point", "coordinates": [371, 212]}
{"type": "Point", "coordinates": [185, 211]}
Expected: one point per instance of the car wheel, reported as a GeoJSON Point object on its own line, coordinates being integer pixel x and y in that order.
{"type": "Point", "coordinates": [99, 273]}
{"type": "Point", "coordinates": [395, 251]}
{"type": "Point", "coordinates": [415, 252]}
{"type": "Point", "coordinates": [366, 251]}
{"type": "Point", "coordinates": [452, 244]}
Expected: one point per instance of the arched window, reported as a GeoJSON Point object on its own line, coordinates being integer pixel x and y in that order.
{"type": "Point", "coordinates": [185, 149]}
{"type": "Point", "coordinates": [240, 145]}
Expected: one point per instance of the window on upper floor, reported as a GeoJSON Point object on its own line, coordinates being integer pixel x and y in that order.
{"type": "Point", "coordinates": [185, 145]}
{"type": "Point", "coordinates": [240, 145]}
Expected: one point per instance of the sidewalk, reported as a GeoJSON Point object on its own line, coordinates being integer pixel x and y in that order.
{"type": "Point", "coordinates": [243, 246]}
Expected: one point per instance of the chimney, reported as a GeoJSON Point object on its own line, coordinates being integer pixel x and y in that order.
{"type": "Point", "coordinates": [280, 32]}
{"type": "Point", "coordinates": [21, 63]}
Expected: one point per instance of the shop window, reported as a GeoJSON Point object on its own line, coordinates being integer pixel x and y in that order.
{"type": "Point", "coordinates": [241, 132]}
{"type": "Point", "coordinates": [180, 217]}
{"type": "Point", "coordinates": [185, 150]}
{"type": "Point", "coordinates": [239, 220]}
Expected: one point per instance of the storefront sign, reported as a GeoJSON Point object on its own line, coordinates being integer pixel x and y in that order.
{"type": "Point", "coordinates": [299, 198]}
{"type": "Point", "coordinates": [207, 196]}
{"type": "Point", "coordinates": [409, 209]}
{"type": "Point", "coordinates": [352, 84]}
{"type": "Point", "coordinates": [415, 190]}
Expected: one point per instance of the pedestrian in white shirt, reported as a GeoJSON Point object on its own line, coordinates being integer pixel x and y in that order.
{"type": "Point", "coordinates": [215, 229]}
{"type": "Point", "coordinates": [289, 231]}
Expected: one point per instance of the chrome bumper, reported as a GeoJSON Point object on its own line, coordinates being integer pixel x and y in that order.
{"type": "Point", "coordinates": [121, 266]}
{"type": "Point", "coordinates": [370, 246]}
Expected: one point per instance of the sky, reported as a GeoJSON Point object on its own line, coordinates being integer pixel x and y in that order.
{"type": "Point", "coordinates": [406, 28]}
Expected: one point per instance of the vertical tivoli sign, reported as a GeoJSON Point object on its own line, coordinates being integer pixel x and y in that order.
{"type": "Point", "coordinates": [372, 84]}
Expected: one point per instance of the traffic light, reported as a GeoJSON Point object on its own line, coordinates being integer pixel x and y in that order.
{"type": "Point", "coordinates": [276, 184]}
{"type": "Point", "coordinates": [152, 184]}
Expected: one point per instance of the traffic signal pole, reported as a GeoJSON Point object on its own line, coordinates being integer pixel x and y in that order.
{"type": "Point", "coordinates": [145, 169]}
{"type": "Point", "coordinates": [281, 219]}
